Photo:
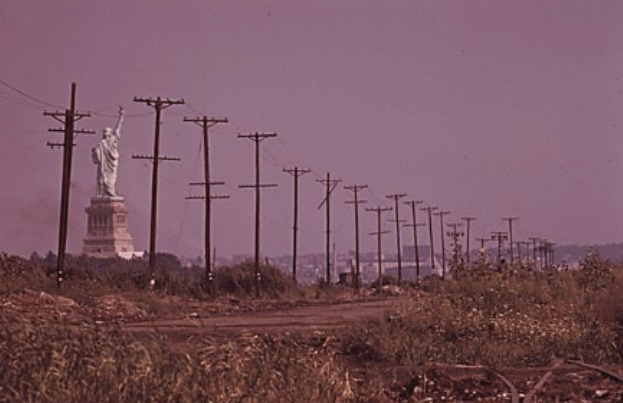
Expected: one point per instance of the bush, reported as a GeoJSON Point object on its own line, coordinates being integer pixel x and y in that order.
{"type": "Point", "coordinates": [239, 280]}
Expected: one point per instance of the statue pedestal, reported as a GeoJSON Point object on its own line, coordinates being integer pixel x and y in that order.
{"type": "Point", "coordinates": [107, 231]}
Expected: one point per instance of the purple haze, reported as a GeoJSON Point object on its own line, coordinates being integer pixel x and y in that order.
{"type": "Point", "coordinates": [484, 108]}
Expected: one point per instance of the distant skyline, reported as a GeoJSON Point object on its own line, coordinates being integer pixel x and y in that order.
{"type": "Point", "coordinates": [483, 108]}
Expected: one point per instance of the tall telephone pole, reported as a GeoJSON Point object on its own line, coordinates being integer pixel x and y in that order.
{"type": "Point", "coordinates": [159, 104]}
{"type": "Point", "coordinates": [68, 118]}
{"type": "Point", "coordinates": [257, 138]}
{"type": "Point", "coordinates": [468, 221]}
{"type": "Point", "coordinates": [510, 234]}
{"type": "Point", "coordinates": [296, 172]}
{"type": "Point", "coordinates": [356, 202]}
{"type": "Point", "coordinates": [395, 197]}
{"type": "Point", "coordinates": [499, 236]}
{"type": "Point", "coordinates": [206, 123]}
{"type": "Point", "coordinates": [330, 185]}
{"type": "Point", "coordinates": [414, 224]}
{"type": "Point", "coordinates": [379, 211]}
{"type": "Point", "coordinates": [430, 233]}
{"type": "Point", "coordinates": [441, 215]}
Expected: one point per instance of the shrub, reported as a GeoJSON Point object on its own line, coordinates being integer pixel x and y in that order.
{"type": "Point", "coordinates": [239, 280]}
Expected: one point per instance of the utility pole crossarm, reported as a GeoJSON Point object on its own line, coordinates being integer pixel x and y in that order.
{"type": "Point", "coordinates": [159, 102]}
{"type": "Point", "coordinates": [205, 121]}
{"type": "Point", "coordinates": [261, 186]}
{"type": "Point", "coordinates": [212, 183]}
{"type": "Point", "coordinates": [212, 197]}
{"type": "Point", "coordinates": [149, 157]}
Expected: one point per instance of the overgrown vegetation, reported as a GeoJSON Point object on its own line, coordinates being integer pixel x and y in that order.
{"type": "Point", "coordinates": [505, 317]}
{"type": "Point", "coordinates": [511, 315]}
{"type": "Point", "coordinates": [92, 277]}
{"type": "Point", "coordinates": [41, 362]}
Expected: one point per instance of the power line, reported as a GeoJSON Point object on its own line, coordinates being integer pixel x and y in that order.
{"type": "Point", "coordinates": [33, 98]}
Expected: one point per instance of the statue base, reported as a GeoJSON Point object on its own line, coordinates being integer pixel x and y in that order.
{"type": "Point", "coordinates": [107, 230]}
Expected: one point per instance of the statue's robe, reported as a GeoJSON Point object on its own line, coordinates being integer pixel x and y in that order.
{"type": "Point", "coordinates": [106, 155]}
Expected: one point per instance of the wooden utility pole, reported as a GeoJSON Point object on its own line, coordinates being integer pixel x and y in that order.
{"type": "Point", "coordinates": [468, 221]}
{"type": "Point", "coordinates": [547, 251]}
{"type": "Point", "coordinates": [257, 138]}
{"type": "Point", "coordinates": [510, 235]}
{"type": "Point", "coordinates": [550, 246]}
{"type": "Point", "coordinates": [356, 202]}
{"type": "Point", "coordinates": [527, 249]}
{"type": "Point", "coordinates": [519, 245]}
{"type": "Point", "coordinates": [430, 233]}
{"type": "Point", "coordinates": [455, 234]}
{"type": "Point", "coordinates": [206, 123]}
{"type": "Point", "coordinates": [414, 224]}
{"type": "Point", "coordinates": [499, 236]}
{"type": "Point", "coordinates": [441, 215]}
{"type": "Point", "coordinates": [534, 241]}
{"type": "Point", "coordinates": [159, 104]}
{"type": "Point", "coordinates": [396, 197]}
{"type": "Point", "coordinates": [379, 250]}
{"type": "Point", "coordinates": [330, 185]}
{"type": "Point", "coordinates": [296, 172]}
{"type": "Point", "coordinates": [68, 118]}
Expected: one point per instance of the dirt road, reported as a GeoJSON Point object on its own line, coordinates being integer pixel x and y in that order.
{"type": "Point", "coordinates": [299, 319]}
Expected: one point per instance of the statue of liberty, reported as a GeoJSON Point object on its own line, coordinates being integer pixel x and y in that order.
{"type": "Point", "coordinates": [106, 156]}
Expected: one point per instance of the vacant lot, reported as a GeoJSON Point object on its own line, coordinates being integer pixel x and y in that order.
{"type": "Point", "coordinates": [492, 335]}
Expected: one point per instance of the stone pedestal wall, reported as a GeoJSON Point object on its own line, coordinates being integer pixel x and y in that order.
{"type": "Point", "coordinates": [107, 229]}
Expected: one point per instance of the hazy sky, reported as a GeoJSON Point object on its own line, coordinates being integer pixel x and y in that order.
{"type": "Point", "coordinates": [483, 108]}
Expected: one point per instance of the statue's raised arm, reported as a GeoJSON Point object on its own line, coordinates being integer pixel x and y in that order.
{"type": "Point", "coordinates": [119, 122]}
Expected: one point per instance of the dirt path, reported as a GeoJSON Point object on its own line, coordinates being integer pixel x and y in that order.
{"type": "Point", "coordinates": [300, 319]}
